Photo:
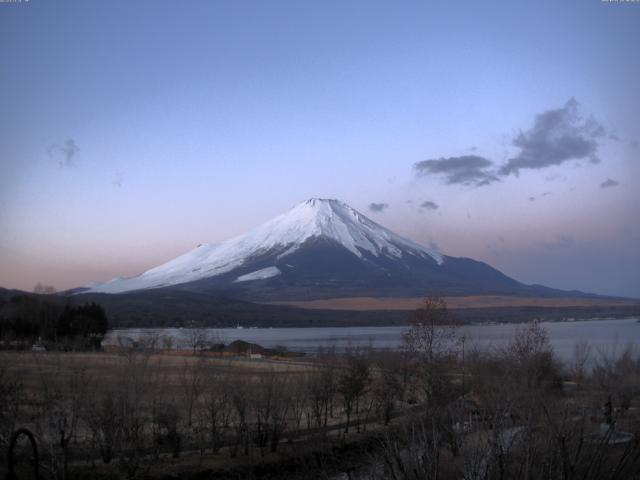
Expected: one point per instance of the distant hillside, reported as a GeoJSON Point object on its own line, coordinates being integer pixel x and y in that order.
{"type": "Point", "coordinates": [175, 308]}
{"type": "Point", "coordinates": [7, 293]}
{"type": "Point", "coordinates": [165, 307]}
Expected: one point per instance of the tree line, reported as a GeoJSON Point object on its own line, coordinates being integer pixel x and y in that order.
{"type": "Point", "coordinates": [28, 319]}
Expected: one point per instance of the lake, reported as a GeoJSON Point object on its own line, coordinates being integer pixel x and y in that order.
{"type": "Point", "coordinates": [605, 336]}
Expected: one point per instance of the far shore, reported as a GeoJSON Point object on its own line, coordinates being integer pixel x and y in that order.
{"type": "Point", "coordinates": [465, 302]}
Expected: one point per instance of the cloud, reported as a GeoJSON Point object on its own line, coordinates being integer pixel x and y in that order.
{"type": "Point", "coordinates": [65, 152]}
{"type": "Point", "coordinates": [562, 241]}
{"type": "Point", "coordinates": [557, 136]}
{"type": "Point", "coordinates": [552, 177]}
{"type": "Point", "coordinates": [545, 194]}
{"type": "Point", "coordinates": [465, 170]}
{"type": "Point", "coordinates": [634, 144]}
{"type": "Point", "coordinates": [609, 183]}
{"type": "Point", "coordinates": [429, 205]}
{"type": "Point", "coordinates": [378, 207]}
{"type": "Point", "coordinates": [118, 179]}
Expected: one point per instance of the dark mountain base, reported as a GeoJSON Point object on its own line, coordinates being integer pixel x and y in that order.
{"type": "Point", "coordinates": [321, 269]}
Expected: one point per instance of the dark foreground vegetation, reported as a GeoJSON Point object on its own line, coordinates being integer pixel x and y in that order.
{"type": "Point", "coordinates": [432, 411]}
{"type": "Point", "coordinates": [52, 323]}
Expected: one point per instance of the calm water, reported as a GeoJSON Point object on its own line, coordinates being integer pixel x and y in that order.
{"type": "Point", "coordinates": [607, 336]}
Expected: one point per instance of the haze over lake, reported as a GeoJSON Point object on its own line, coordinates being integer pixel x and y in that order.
{"type": "Point", "coordinates": [605, 336]}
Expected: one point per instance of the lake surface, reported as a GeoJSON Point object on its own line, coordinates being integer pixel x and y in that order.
{"type": "Point", "coordinates": [604, 336]}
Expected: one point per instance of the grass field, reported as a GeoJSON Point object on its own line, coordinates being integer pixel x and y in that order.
{"type": "Point", "coordinates": [488, 301]}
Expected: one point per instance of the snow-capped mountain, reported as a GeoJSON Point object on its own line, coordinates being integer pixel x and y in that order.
{"type": "Point", "coordinates": [319, 248]}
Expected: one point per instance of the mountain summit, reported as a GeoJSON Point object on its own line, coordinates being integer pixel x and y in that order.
{"type": "Point", "coordinates": [320, 248]}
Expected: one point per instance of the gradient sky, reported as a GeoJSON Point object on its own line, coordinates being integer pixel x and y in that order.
{"type": "Point", "coordinates": [132, 131]}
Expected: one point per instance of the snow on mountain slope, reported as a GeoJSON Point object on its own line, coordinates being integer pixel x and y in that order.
{"type": "Point", "coordinates": [314, 218]}
{"type": "Point", "coordinates": [259, 274]}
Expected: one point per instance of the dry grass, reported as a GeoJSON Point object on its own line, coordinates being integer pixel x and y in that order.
{"type": "Point", "coordinates": [104, 368]}
{"type": "Point", "coordinates": [478, 301]}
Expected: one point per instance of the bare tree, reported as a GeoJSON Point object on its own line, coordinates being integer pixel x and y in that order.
{"type": "Point", "coordinates": [217, 396]}
{"type": "Point", "coordinates": [199, 338]}
{"type": "Point", "coordinates": [433, 331]}
{"type": "Point", "coordinates": [167, 342]}
{"type": "Point", "coordinates": [102, 416]}
{"type": "Point", "coordinates": [64, 387]}
{"type": "Point", "coordinates": [149, 341]}
{"type": "Point", "coordinates": [167, 418]}
{"type": "Point", "coordinates": [352, 383]}
{"type": "Point", "coordinates": [413, 453]}
{"type": "Point", "coordinates": [11, 399]}
{"type": "Point", "coordinates": [240, 416]}
{"type": "Point", "coordinates": [270, 406]}
{"type": "Point", "coordinates": [387, 388]}
{"type": "Point", "coordinates": [581, 353]}
{"type": "Point", "coordinates": [138, 383]}
{"type": "Point", "coordinates": [299, 402]}
{"type": "Point", "coordinates": [44, 289]}
{"type": "Point", "coordinates": [431, 342]}
{"type": "Point", "coordinates": [191, 382]}
{"type": "Point", "coordinates": [534, 360]}
{"type": "Point", "coordinates": [322, 387]}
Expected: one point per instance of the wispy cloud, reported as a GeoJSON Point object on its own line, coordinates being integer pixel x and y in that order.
{"type": "Point", "coordinates": [534, 197]}
{"type": "Point", "coordinates": [378, 207]}
{"type": "Point", "coordinates": [429, 205]}
{"type": "Point", "coordinates": [118, 179]}
{"type": "Point", "coordinates": [609, 183]}
{"type": "Point", "coordinates": [557, 136]}
{"type": "Point", "coordinates": [465, 170]}
{"type": "Point", "coordinates": [65, 153]}
{"type": "Point", "coordinates": [561, 241]}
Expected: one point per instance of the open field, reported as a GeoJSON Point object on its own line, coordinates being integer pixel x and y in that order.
{"type": "Point", "coordinates": [105, 369]}
{"type": "Point", "coordinates": [476, 301]}
{"type": "Point", "coordinates": [132, 413]}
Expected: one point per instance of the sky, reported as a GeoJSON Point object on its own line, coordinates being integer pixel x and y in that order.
{"type": "Point", "coordinates": [507, 132]}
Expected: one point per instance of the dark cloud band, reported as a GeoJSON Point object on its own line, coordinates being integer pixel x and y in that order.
{"type": "Point", "coordinates": [609, 183]}
{"type": "Point", "coordinates": [378, 207]}
{"type": "Point", "coordinates": [557, 136]}
{"type": "Point", "coordinates": [465, 170]}
{"type": "Point", "coordinates": [429, 205]}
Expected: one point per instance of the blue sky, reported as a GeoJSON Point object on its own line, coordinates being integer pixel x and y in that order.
{"type": "Point", "coordinates": [132, 131]}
